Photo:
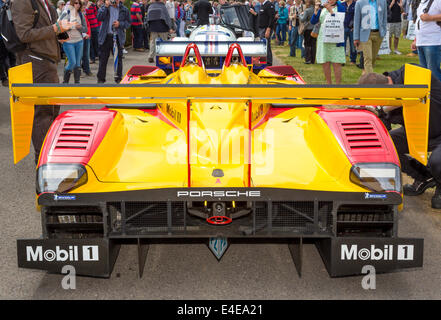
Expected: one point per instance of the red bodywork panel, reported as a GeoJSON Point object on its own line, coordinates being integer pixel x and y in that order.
{"type": "Point", "coordinates": [286, 71]}
{"type": "Point", "coordinates": [75, 135]}
{"type": "Point", "coordinates": [361, 135]}
{"type": "Point", "coordinates": [136, 72]}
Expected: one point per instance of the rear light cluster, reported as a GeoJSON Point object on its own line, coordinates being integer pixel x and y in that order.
{"type": "Point", "coordinates": [378, 177]}
{"type": "Point", "coordinates": [60, 177]}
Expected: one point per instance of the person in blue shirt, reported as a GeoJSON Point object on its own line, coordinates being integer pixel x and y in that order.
{"type": "Point", "coordinates": [282, 23]}
{"type": "Point", "coordinates": [370, 26]}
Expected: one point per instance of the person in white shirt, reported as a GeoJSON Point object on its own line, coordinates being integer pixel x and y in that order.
{"type": "Point", "coordinates": [428, 35]}
{"type": "Point", "coordinates": [60, 7]}
{"type": "Point", "coordinates": [170, 6]}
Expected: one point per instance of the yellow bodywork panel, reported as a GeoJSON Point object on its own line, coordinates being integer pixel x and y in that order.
{"type": "Point", "coordinates": [219, 140]}
{"type": "Point", "coordinates": [416, 114]}
{"type": "Point", "coordinates": [22, 114]}
{"type": "Point", "coordinates": [301, 160]}
{"type": "Point", "coordinates": [140, 148]}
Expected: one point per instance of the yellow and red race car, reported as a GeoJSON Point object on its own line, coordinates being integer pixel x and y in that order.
{"type": "Point", "coordinates": [219, 157]}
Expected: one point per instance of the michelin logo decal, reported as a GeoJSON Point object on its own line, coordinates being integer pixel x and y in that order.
{"type": "Point", "coordinates": [88, 253]}
{"type": "Point", "coordinates": [58, 197]}
{"type": "Point", "coordinates": [368, 195]}
{"type": "Point", "coordinates": [404, 252]}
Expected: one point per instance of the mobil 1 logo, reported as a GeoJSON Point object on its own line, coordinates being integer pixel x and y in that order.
{"type": "Point", "coordinates": [87, 256]}
{"type": "Point", "coordinates": [386, 252]}
{"type": "Point", "coordinates": [69, 254]}
{"type": "Point", "coordinates": [350, 255]}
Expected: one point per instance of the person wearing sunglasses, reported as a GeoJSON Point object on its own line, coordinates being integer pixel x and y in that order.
{"type": "Point", "coordinates": [60, 7]}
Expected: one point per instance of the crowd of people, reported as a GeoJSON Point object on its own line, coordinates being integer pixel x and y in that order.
{"type": "Point", "coordinates": [324, 31]}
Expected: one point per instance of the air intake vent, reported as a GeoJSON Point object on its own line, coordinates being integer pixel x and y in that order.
{"type": "Point", "coordinates": [361, 136]}
{"type": "Point", "coordinates": [73, 139]}
{"type": "Point", "coordinates": [141, 70]}
{"type": "Point", "coordinates": [286, 71]}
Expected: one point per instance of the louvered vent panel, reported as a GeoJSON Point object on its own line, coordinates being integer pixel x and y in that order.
{"type": "Point", "coordinates": [73, 139]}
{"type": "Point", "coordinates": [361, 136]}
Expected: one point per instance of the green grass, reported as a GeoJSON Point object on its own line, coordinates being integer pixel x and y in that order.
{"type": "Point", "coordinates": [313, 73]}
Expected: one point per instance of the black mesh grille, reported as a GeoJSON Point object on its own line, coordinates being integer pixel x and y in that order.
{"type": "Point", "coordinates": [178, 215]}
{"type": "Point", "coordinates": [261, 220]}
{"type": "Point", "coordinates": [296, 216]}
{"type": "Point", "coordinates": [147, 217]}
{"type": "Point", "coordinates": [152, 214]}
{"type": "Point", "coordinates": [289, 214]}
{"type": "Point", "coordinates": [267, 217]}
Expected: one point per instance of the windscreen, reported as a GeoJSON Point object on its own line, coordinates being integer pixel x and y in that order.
{"type": "Point", "coordinates": [236, 16]}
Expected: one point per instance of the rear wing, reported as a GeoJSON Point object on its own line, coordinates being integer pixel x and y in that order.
{"type": "Point", "coordinates": [211, 48]}
{"type": "Point", "coordinates": [414, 97]}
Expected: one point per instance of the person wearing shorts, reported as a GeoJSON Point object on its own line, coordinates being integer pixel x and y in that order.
{"type": "Point", "coordinates": [394, 8]}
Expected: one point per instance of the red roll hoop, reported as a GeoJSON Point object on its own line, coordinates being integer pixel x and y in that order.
{"type": "Point", "coordinates": [230, 55]}
{"type": "Point", "coordinates": [196, 53]}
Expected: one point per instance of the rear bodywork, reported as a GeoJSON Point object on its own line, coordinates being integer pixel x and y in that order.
{"type": "Point", "coordinates": [219, 158]}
